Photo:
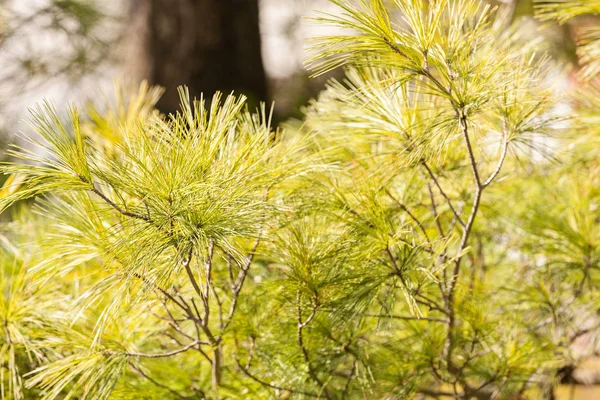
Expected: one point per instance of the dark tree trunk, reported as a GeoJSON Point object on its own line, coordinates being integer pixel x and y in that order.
{"type": "Point", "coordinates": [208, 45]}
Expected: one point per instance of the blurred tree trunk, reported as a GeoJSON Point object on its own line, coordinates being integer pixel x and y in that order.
{"type": "Point", "coordinates": [208, 45]}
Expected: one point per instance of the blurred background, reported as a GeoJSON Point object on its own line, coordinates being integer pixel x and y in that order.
{"type": "Point", "coordinates": [73, 50]}
{"type": "Point", "coordinates": [68, 49]}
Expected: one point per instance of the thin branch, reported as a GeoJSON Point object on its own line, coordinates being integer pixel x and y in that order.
{"type": "Point", "coordinates": [300, 337]}
{"type": "Point", "coordinates": [396, 267]}
{"type": "Point", "coordinates": [172, 337]}
{"type": "Point", "coordinates": [435, 212]}
{"type": "Point", "coordinates": [207, 286]}
{"type": "Point", "coordinates": [464, 240]}
{"type": "Point", "coordinates": [209, 265]}
{"type": "Point", "coordinates": [250, 352]}
{"type": "Point", "coordinates": [219, 305]}
{"type": "Point", "coordinates": [161, 290]}
{"type": "Point", "coordinates": [405, 317]}
{"type": "Point", "coordinates": [156, 383]}
{"type": "Point", "coordinates": [465, 132]}
{"type": "Point", "coordinates": [236, 286]}
{"type": "Point", "coordinates": [586, 274]}
{"type": "Point", "coordinates": [159, 355]}
{"type": "Point", "coordinates": [196, 310]}
{"type": "Point", "coordinates": [196, 318]}
{"type": "Point", "coordinates": [312, 314]}
{"type": "Point", "coordinates": [116, 207]}
{"type": "Point", "coordinates": [438, 84]}
{"type": "Point", "coordinates": [174, 322]}
{"type": "Point", "coordinates": [444, 195]}
{"type": "Point", "coordinates": [270, 385]}
{"type": "Point", "coordinates": [190, 274]}
{"type": "Point", "coordinates": [453, 222]}
{"type": "Point", "coordinates": [205, 356]}
{"type": "Point", "coordinates": [425, 70]}
{"type": "Point", "coordinates": [230, 270]}
{"type": "Point", "coordinates": [500, 161]}
{"type": "Point", "coordinates": [350, 377]}
{"type": "Point", "coordinates": [429, 302]}
{"type": "Point", "coordinates": [239, 282]}
{"type": "Point", "coordinates": [469, 358]}
{"type": "Point", "coordinates": [395, 48]}
{"type": "Point", "coordinates": [437, 393]}
{"type": "Point", "coordinates": [410, 214]}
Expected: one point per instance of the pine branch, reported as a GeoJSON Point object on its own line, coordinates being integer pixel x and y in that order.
{"type": "Point", "coordinates": [116, 207]}
{"type": "Point", "coordinates": [271, 385]}
{"type": "Point", "coordinates": [159, 355]}
{"type": "Point", "coordinates": [448, 201]}
{"type": "Point", "coordinates": [405, 317]}
{"type": "Point", "coordinates": [241, 277]}
{"type": "Point", "coordinates": [191, 277]}
{"type": "Point", "coordinates": [161, 385]}
{"type": "Point", "coordinates": [300, 338]}
{"type": "Point", "coordinates": [410, 214]}
{"type": "Point", "coordinates": [500, 162]}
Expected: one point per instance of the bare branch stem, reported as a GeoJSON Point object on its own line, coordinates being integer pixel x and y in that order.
{"type": "Point", "coordinates": [405, 317]}
{"type": "Point", "coordinates": [95, 190]}
{"type": "Point", "coordinates": [270, 385]}
{"type": "Point", "coordinates": [500, 161]}
{"type": "Point", "coordinates": [300, 336]}
{"type": "Point", "coordinates": [157, 383]}
{"type": "Point", "coordinates": [159, 355]}
{"type": "Point", "coordinates": [444, 195]}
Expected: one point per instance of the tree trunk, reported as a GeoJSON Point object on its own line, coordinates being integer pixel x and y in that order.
{"type": "Point", "coordinates": [208, 45]}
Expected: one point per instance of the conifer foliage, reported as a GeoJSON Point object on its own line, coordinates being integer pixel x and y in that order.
{"type": "Point", "coordinates": [421, 235]}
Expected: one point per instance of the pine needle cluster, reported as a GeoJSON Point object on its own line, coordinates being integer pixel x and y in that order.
{"type": "Point", "coordinates": [425, 234]}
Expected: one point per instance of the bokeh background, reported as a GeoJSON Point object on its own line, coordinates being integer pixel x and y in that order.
{"type": "Point", "coordinates": [69, 49]}
{"type": "Point", "coordinates": [74, 51]}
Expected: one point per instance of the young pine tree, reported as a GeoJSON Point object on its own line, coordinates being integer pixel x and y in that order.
{"type": "Point", "coordinates": [423, 235]}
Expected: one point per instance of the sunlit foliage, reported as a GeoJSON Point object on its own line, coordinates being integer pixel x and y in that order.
{"type": "Point", "coordinates": [430, 231]}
